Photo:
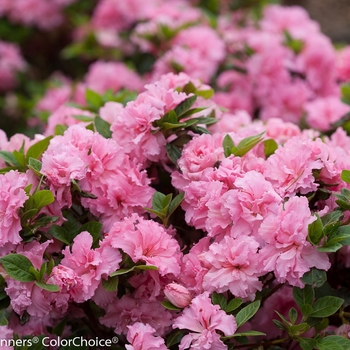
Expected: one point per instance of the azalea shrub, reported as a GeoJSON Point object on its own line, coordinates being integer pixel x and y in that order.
{"type": "Point", "coordinates": [190, 190]}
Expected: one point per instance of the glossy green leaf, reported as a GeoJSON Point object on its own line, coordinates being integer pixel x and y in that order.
{"type": "Point", "coordinates": [270, 146]}
{"type": "Point", "coordinates": [43, 198]}
{"type": "Point", "coordinates": [103, 127]}
{"type": "Point", "coordinates": [18, 267]}
{"type": "Point", "coordinates": [315, 230]}
{"type": "Point", "coordinates": [247, 313]}
{"type": "Point", "coordinates": [168, 305]}
{"type": "Point", "coordinates": [36, 150]}
{"type": "Point", "coordinates": [111, 285]}
{"type": "Point", "coordinates": [185, 105]}
{"type": "Point", "coordinates": [49, 287]}
{"type": "Point", "coordinates": [326, 306]}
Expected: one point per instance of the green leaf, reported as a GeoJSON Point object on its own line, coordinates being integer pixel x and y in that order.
{"type": "Point", "coordinates": [20, 159]}
{"type": "Point", "coordinates": [146, 267]}
{"type": "Point", "coordinates": [83, 118]}
{"type": "Point", "coordinates": [343, 233]}
{"type": "Point", "coordinates": [61, 234]}
{"type": "Point", "coordinates": [170, 117]}
{"type": "Point", "coordinates": [247, 144]}
{"type": "Point", "coordinates": [60, 129]}
{"type": "Point", "coordinates": [332, 218]}
{"type": "Point", "coordinates": [125, 271]}
{"type": "Point", "coordinates": [121, 272]}
{"type": "Point", "coordinates": [189, 88]}
{"type": "Point", "coordinates": [185, 105]}
{"type": "Point", "coordinates": [329, 248]}
{"type": "Point", "coordinates": [193, 111]}
{"type": "Point", "coordinates": [175, 203]}
{"type": "Point", "coordinates": [42, 271]}
{"type": "Point", "coordinates": [174, 338]}
{"type": "Point", "coordinates": [243, 334]}
{"type": "Point", "coordinates": [46, 220]}
{"type": "Point", "coordinates": [345, 92]}
{"type": "Point", "coordinates": [9, 158]}
{"type": "Point", "coordinates": [43, 198]}
{"type": "Point", "coordinates": [103, 127]}
{"type": "Point", "coordinates": [28, 215]}
{"type": "Point", "coordinates": [168, 126]}
{"type": "Point", "coordinates": [18, 267]}
{"type": "Point", "coordinates": [279, 324]}
{"type": "Point", "coordinates": [93, 99]}
{"type": "Point", "coordinates": [247, 313]}
{"type": "Point", "coordinates": [315, 277]}
{"type": "Point", "coordinates": [333, 342]}
{"type": "Point", "coordinates": [270, 147]}
{"type": "Point", "coordinates": [157, 201]}
{"type": "Point", "coordinates": [326, 306]}
{"type": "Point", "coordinates": [307, 343]}
{"type": "Point", "coordinates": [304, 296]}
{"type": "Point", "coordinates": [293, 315]}
{"type": "Point", "coordinates": [345, 175]}
{"type": "Point", "coordinates": [111, 285]}
{"type": "Point", "coordinates": [168, 305]}
{"type": "Point", "coordinates": [205, 93]}
{"type": "Point", "coordinates": [199, 130]}
{"type": "Point", "coordinates": [219, 299]}
{"type": "Point", "coordinates": [315, 230]}
{"type": "Point", "coordinates": [234, 304]}
{"type": "Point", "coordinates": [173, 152]}
{"type": "Point", "coordinates": [228, 145]}
{"type": "Point", "coordinates": [306, 310]}
{"type": "Point", "coordinates": [298, 329]}
{"type": "Point", "coordinates": [49, 287]}
{"type": "Point", "coordinates": [34, 165]}
{"type": "Point", "coordinates": [36, 150]}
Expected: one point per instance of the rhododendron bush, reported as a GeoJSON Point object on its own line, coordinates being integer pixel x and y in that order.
{"type": "Point", "coordinates": [189, 190]}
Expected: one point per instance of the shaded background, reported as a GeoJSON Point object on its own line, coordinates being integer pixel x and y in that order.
{"type": "Point", "coordinates": [332, 15]}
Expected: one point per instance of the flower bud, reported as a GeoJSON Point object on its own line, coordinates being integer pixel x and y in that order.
{"type": "Point", "coordinates": [178, 295]}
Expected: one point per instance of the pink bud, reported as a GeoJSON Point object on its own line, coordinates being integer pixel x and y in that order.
{"type": "Point", "coordinates": [178, 295]}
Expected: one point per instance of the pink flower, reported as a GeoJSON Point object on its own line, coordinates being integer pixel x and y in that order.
{"type": "Point", "coordinates": [128, 310]}
{"type": "Point", "coordinates": [11, 62]}
{"type": "Point", "coordinates": [70, 284]}
{"type": "Point", "coordinates": [147, 241]}
{"type": "Point", "coordinates": [317, 60]}
{"type": "Point", "coordinates": [103, 76]}
{"type": "Point", "coordinates": [203, 319]}
{"type": "Point", "coordinates": [121, 186]}
{"type": "Point", "coordinates": [234, 265]}
{"type": "Point", "coordinates": [294, 19]}
{"type": "Point", "coordinates": [343, 64]}
{"type": "Point", "coordinates": [287, 252]}
{"type": "Point", "coordinates": [252, 200]}
{"type": "Point", "coordinates": [64, 115]}
{"type": "Point", "coordinates": [322, 112]}
{"type": "Point", "coordinates": [197, 50]}
{"type": "Point", "coordinates": [6, 334]}
{"type": "Point", "coordinates": [290, 168]}
{"type": "Point", "coordinates": [133, 128]}
{"type": "Point", "coordinates": [12, 198]}
{"type": "Point", "coordinates": [178, 295]}
{"type": "Point", "coordinates": [37, 12]}
{"type": "Point", "coordinates": [89, 264]}
{"type": "Point", "coordinates": [200, 153]}
{"type": "Point", "coordinates": [141, 337]}
{"type": "Point", "coordinates": [27, 296]}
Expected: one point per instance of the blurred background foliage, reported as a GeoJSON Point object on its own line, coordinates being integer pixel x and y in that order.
{"type": "Point", "coordinates": [50, 51]}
